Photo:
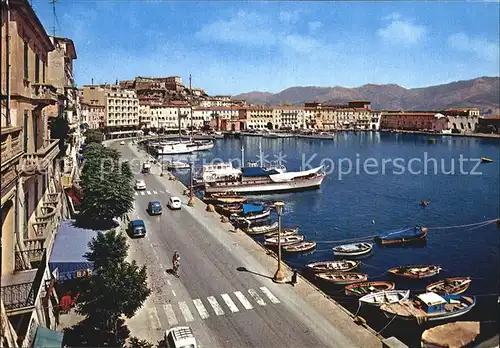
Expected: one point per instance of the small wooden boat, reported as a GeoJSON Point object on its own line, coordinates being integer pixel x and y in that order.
{"type": "Point", "coordinates": [416, 271]}
{"type": "Point", "coordinates": [404, 236]}
{"type": "Point", "coordinates": [300, 247]}
{"type": "Point", "coordinates": [362, 289]}
{"type": "Point", "coordinates": [288, 240]}
{"type": "Point", "coordinates": [256, 230]}
{"type": "Point", "coordinates": [333, 266]}
{"type": "Point", "coordinates": [449, 286]}
{"type": "Point", "coordinates": [228, 209]}
{"type": "Point", "coordinates": [385, 297]}
{"type": "Point", "coordinates": [424, 203]}
{"type": "Point", "coordinates": [456, 334]}
{"type": "Point", "coordinates": [430, 307]}
{"type": "Point", "coordinates": [225, 200]}
{"type": "Point", "coordinates": [342, 278]}
{"type": "Point", "coordinates": [288, 231]}
{"type": "Point", "coordinates": [486, 160]}
{"type": "Point", "coordinates": [356, 249]}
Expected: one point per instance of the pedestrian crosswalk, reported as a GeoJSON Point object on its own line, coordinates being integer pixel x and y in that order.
{"type": "Point", "coordinates": [149, 193]}
{"type": "Point", "coordinates": [212, 306]}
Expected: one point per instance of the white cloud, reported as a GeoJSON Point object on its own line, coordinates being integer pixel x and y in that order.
{"type": "Point", "coordinates": [481, 47]}
{"type": "Point", "coordinates": [401, 31]}
{"type": "Point", "coordinates": [301, 44]}
{"type": "Point", "coordinates": [289, 16]}
{"type": "Point", "coordinates": [315, 25]}
{"type": "Point", "coordinates": [246, 28]}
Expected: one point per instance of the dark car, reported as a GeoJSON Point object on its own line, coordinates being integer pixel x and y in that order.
{"type": "Point", "coordinates": [137, 228]}
{"type": "Point", "coordinates": [154, 208]}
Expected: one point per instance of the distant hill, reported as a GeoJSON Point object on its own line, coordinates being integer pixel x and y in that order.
{"type": "Point", "coordinates": [482, 92]}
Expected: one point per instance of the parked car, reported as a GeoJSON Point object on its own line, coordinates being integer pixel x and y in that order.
{"type": "Point", "coordinates": [140, 184]}
{"type": "Point", "coordinates": [137, 228]}
{"type": "Point", "coordinates": [174, 203]}
{"type": "Point", "coordinates": [122, 142]}
{"type": "Point", "coordinates": [180, 337]}
{"type": "Point", "coordinates": [154, 208]}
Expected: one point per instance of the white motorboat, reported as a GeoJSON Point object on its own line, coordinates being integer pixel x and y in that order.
{"type": "Point", "coordinates": [177, 165]}
{"type": "Point", "coordinates": [385, 297]}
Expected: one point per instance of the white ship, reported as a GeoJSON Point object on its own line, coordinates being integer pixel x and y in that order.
{"type": "Point", "coordinates": [177, 148]}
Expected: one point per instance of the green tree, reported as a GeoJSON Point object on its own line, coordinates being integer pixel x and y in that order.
{"type": "Point", "coordinates": [107, 249]}
{"type": "Point", "coordinates": [106, 184]}
{"type": "Point", "coordinates": [137, 343]}
{"type": "Point", "coordinates": [94, 136]}
{"type": "Point", "coordinates": [59, 129]}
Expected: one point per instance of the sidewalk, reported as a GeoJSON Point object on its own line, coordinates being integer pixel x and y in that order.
{"type": "Point", "coordinates": [309, 300]}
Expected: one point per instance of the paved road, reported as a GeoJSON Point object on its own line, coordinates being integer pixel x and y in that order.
{"type": "Point", "coordinates": [224, 306]}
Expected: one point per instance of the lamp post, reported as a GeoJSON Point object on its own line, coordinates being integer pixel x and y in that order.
{"type": "Point", "coordinates": [279, 276]}
{"type": "Point", "coordinates": [191, 199]}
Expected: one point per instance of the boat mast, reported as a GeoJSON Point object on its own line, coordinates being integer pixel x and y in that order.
{"type": "Point", "coordinates": [242, 156]}
{"type": "Point", "coordinates": [260, 154]}
{"type": "Point", "coordinates": [179, 121]}
{"type": "Point", "coordinates": [191, 107]}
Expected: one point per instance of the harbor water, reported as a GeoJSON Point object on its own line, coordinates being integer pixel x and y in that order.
{"type": "Point", "coordinates": [390, 174]}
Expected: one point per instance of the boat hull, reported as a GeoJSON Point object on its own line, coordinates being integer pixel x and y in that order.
{"type": "Point", "coordinates": [343, 279]}
{"type": "Point", "coordinates": [366, 249]}
{"type": "Point", "coordinates": [430, 273]}
{"type": "Point", "coordinates": [361, 289]}
{"type": "Point", "coordinates": [464, 283]}
{"type": "Point", "coordinates": [267, 187]}
{"type": "Point", "coordinates": [322, 266]}
{"type": "Point", "coordinates": [403, 240]}
{"type": "Point", "coordinates": [391, 296]}
{"type": "Point", "coordinates": [300, 247]}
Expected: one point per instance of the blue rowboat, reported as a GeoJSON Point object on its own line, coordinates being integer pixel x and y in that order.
{"type": "Point", "coordinates": [408, 235]}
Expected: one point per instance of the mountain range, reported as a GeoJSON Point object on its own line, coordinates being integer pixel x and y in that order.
{"type": "Point", "coordinates": [481, 92]}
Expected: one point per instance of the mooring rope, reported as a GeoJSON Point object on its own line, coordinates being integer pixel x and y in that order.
{"type": "Point", "coordinates": [359, 307]}
{"type": "Point", "coordinates": [359, 239]}
{"type": "Point", "coordinates": [389, 323]}
{"type": "Point", "coordinates": [461, 226]}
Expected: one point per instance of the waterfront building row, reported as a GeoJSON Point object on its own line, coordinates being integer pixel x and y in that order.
{"type": "Point", "coordinates": [37, 86]}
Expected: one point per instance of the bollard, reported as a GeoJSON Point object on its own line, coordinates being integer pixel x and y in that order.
{"type": "Point", "coordinates": [210, 208]}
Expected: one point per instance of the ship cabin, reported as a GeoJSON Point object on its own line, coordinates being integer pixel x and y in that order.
{"type": "Point", "coordinates": [431, 302]}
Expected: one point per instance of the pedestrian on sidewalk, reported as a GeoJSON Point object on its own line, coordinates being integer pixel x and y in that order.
{"type": "Point", "coordinates": [294, 277]}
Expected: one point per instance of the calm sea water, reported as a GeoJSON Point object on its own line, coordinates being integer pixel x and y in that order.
{"type": "Point", "coordinates": [366, 202]}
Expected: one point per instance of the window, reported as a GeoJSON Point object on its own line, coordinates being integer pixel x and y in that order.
{"type": "Point", "coordinates": [36, 191]}
{"type": "Point", "coordinates": [37, 69]}
{"type": "Point", "coordinates": [26, 115]}
{"type": "Point", "coordinates": [26, 213]}
{"type": "Point", "coordinates": [43, 72]}
{"type": "Point", "coordinates": [26, 73]}
{"type": "Point", "coordinates": [35, 131]}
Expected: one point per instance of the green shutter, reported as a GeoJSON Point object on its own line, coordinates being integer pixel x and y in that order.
{"type": "Point", "coordinates": [26, 72]}
{"type": "Point", "coordinates": [37, 69]}
{"type": "Point", "coordinates": [25, 130]}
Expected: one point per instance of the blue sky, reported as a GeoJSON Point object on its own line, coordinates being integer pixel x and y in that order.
{"type": "Point", "coordinates": [235, 47]}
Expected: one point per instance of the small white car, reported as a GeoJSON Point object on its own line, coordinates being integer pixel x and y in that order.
{"type": "Point", "coordinates": [174, 203]}
{"type": "Point", "coordinates": [180, 337]}
{"type": "Point", "coordinates": [140, 184]}
{"type": "Point", "coordinates": [122, 142]}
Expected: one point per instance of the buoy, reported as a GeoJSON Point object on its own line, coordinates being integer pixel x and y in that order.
{"type": "Point", "coordinates": [373, 221]}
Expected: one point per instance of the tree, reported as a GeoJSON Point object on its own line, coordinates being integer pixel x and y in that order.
{"type": "Point", "coordinates": [93, 136]}
{"type": "Point", "coordinates": [137, 343]}
{"type": "Point", "coordinates": [116, 288]}
{"type": "Point", "coordinates": [59, 129]}
{"type": "Point", "coordinates": [106, 184]}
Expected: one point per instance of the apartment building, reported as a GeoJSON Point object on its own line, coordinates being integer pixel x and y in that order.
{"type": "Point", "coordinates": [92, 115]}
{"type": "Point", "coordinates": [462, 120]}
{"type": "Point", "coordinates": [257, 117]}
{"type": "Point", "coordinates": [31, 192]}
{"type": "Point", "coordinates": [122, 107]}
{"type": "Point", "coordinates": [288, 117]}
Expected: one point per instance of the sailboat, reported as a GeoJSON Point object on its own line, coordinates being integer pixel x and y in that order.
{"type": "Point", "coordinates": [185, 147]}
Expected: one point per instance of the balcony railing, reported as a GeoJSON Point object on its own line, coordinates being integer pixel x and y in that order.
{"type": "Point", "coordinates": [45, 94]}
{"type": "Point", "coordinates": [40, 160]}
{"type": "Point", "coordinates": [11, 144]}
{"type": "Point", "coordinates": [28, 259]}
{"type": "Point", "coordinates": [23, 295]}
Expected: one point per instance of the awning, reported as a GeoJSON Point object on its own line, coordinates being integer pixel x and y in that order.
{"type": "Point", "coordinates": [71, 244]}
{"type": "Point", "coordinates": [47, 338]}
{"type": "Point", "coordinates": [251, 208]}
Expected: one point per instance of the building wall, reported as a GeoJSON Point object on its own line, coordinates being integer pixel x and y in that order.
{"type": "Point", "coordinates": [413, 121]}
{"type": "Point", "coordinates": [122, 108]}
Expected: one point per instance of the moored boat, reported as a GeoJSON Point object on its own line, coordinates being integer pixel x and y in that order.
{"type": "Point", "coordinates": [288, 240]}
{"type": "Point", "coordinates": [430, 306]}
{"type": "Point", "coordinates": [224, 198]}
{"type": "Point", "coordinates": [300, 247]}
{"type": "Point", "coordinates": [486, 160]}
{"type": "Point", "coordinates": [385, 297]}
{"type": "Point", "coordinates": [362, 289]}
{"type": "Point", "coordinates": [333, 266]}
{"type": "Point", "coordinates": [356, 249]}
{"type": "Point", "coordinates": [456, 334]}
{"type": "Point", "coordinates": [404, 236]}
{"type": "Point", "coordinates": [415, 271]}
{"type": "Point", "coordinates": [342, 278]}
{"type": "Point", "coordinates": [177, 165]}
{"type": "Point", "coordinates": [449, 286]}
{"type": "Point", "coordinates": [257, 230]}
{"type": "Point", "coordinates": [287, 231]}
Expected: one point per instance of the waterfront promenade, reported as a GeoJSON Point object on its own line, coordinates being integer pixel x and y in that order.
{"type": "Point", "coordinates": [225, 292]}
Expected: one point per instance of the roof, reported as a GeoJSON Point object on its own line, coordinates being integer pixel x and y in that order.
{"type": "Point", "coordinates": [252, 208]}
{"type": "Point", "coordinates": [155, 203]}
{"type": "Point", "coordinates": [70, 46]}
{"type": "Point", "coordinates": [135, 223]}
{"type": "Point", "coordinates": [27, 11]}
{"type": "Point", "coordinates": [257, 171]}
{"type": "Point", "coordinates": [48, 338]}
{"type": "Point", "coordinates": [431, 299]}
{"type": "Point", "coordinates": [69, 247]}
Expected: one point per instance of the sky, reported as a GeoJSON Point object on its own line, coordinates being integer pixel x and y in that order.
{"type": "Point", "coordinates": [236, 47]}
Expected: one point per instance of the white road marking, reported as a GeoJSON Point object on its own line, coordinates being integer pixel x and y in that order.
{"type": "Point", "coordinates": [215, 305]}
{"type": "Point", "coordinates": [269, 294]}
{"type": "Point", "coordinates": [243, 300]}
{"type": "Point", "coordinates": [154, 192]}
{"type": "Point", "coordinates": [148, 192]}
{"type": "Point", "coordinates": [185, 311]}
{"type": "Point", "coordinates": [161, 265]}
{"type": "Point", "coordinates": [173, 292]}
{"type": "Point", "coordinates": [155, 320]}
{"type": "Point", "coordinates": [230, 303]}
{"type": "Point", "coordinates": [143, 193]}
{"type": "Point", "coordinates": [256, 297]}
{"type": "Point", "coordinates": [169, 311]}
{"type": "Point", "coordinates": [168, 281]}
{"type": "Point", "coordinates": [201, 309]}
{"type": "Point", "coordinates": [136, 193]}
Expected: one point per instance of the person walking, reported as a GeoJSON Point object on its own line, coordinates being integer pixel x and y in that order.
{"type": "Point", "coordinates": [176, 262]}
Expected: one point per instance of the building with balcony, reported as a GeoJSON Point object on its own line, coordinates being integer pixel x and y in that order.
{"type": "Point", "coordinates": [31, 194]}
{"type": "Point", "coordinates": [92, 115]}
{"type": "Point", "coordinates": [257, 117]}
{"type": "Point", "coordinates": [288, 117]}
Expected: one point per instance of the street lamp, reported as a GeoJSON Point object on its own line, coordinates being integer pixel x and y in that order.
{"type": "Point", "coordinates": [191, 198]}
{"type": "Point", "coordinates": [279, 276]}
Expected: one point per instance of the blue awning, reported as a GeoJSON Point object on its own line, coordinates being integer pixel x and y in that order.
{"type": "Point", "coordinates": [70, 245]}
{"type": "Point", "coordinates": [252, 208]}
{"type": "Point", "coordinates": [48, 338]}
{"type": "Point", "coordinates": [257, 171]}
